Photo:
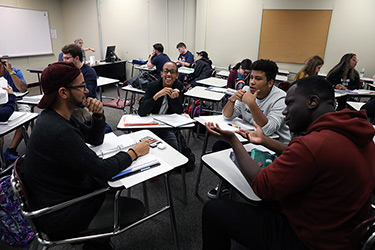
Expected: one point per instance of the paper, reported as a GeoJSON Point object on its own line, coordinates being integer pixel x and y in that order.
{"type": "Point", "coordinates": [174, 120]}
{"type": "Point", "coordinates": [236, 123]}
{"type": "Point", "coordinates": [3, 82]}
{"type": "Point", "coordinates": [136, 119]}
{"type": "Point", "coordinates": [35, 98]}
{"type": "Point", "coordinates": [3, 96]}
{"type": "Point", "coordinates": [112, 144]}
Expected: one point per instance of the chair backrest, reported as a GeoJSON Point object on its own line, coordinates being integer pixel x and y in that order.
{"type": "Point", "coordinates": [212, 72]}
{"type": "Point", "coordinates": [363, 236]}
{"type": "Point", "coordinates": [284, 86]}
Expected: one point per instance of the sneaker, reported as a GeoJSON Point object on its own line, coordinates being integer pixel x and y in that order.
{"type": "Point", "coordinates": [11, 157]}
{"type": "Point", "coordinates": [212, 193]}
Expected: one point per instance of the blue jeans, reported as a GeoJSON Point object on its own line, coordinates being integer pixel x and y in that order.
{"type": "Point", "coordinates": [169, 137]}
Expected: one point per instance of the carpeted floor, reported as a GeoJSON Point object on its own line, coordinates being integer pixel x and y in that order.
{"type": "Point", "coordinates": [155, 233]}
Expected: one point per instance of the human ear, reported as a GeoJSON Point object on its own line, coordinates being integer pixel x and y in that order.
{"type": "Point", "coordinates": [62, 92]}
{"type": "Point", "coordinates": [314, 101]}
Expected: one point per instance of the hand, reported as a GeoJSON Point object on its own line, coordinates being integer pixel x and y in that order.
{"type": "Point", "coordinates": [163, 92]}
{"type": "Point", "coordinates": [142, 148]}
{"type": "Point", "coordinates": [175, 93]}
{"type": "Point", "coordinates": [340, 86]}
{"type": "Point", "coordinates": [248, 98]}
{"type": "Point", "coordinates": [237, 96]}
{"type": "Point", "coordinates": [9, 89]}
{"type": "Point", "coordinates": [255, 137]}
{"type": "Point", "coordinates": [94, 105]}
{"type": "Point", "coordinates": [8, 66]}
{"type": "Point", "coordinates": [215, 130]}
{"type": "Point", "coordinates": [92, 49]}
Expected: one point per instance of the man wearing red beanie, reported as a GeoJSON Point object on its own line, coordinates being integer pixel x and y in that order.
{"type": "Point", "coordinates": [59, 166]}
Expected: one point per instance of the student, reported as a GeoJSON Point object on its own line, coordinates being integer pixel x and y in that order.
{"type": "Point", "coordinates": [202, 67]}
{"type": "Point", "coordinates": [309, 180]}
{"type": "Point", "coordinates": [79, 42]}
{"type": "Point", "coordinates": [164, 96]}
{"type": "Point", "coordinates": [59, 166]}
{"type": "Point", "coordinates": [344, 75]}
{"type": "Point", "coordinates": [157, 58]}
{"type": "Point", "coordinates": [186, 58]}
{"type": "Point", "coordinates": [311, 68]}
{"type": "Point", "coordinates": [237, 76]}
{"type": "Point", "coordinates": [7, 109]}
{"type": "Point", "coordinates": [260, 103]}
{"type": "Point", "coordinates": [73, 53]}
{"type": "Point", "coordinates": [16, 80]}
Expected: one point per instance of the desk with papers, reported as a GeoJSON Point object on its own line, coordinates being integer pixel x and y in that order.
{"type": "Point", "coordinates": [224, 167]}
{"type": "Point", "coordinates": [169, 159]}
{"type": "Point", "coordinates": [16, 120]}
{"type": "Point", "coordinates": [213, 82]}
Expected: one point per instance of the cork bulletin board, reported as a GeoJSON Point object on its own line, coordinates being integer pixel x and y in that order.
{"type": "Point", "coordinates": [292, 36]}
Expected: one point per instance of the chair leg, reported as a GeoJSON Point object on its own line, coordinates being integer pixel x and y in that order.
{"type": "Point", "coordinates": [184, 185]}
{"type": "Point", "coordinates": [201, 163]}
{"type": "Point", "coordinates": [145, 198]}
{"type": "Point", "coordinates": [171, 209]}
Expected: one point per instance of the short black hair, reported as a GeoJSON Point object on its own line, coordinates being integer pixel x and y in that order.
{"type": "Point", "coordinates": [315, 85]}
{"type": "Point", "coordinates": [175, 64]}
{"type": "Point", "coordinates": [267, 66]}
{"type": "Point", "coordinates": [74, 50]}
{"type": "Point", "coordinates": [180, 44]}
{"type": "Point", "coordinates": [159, 47]}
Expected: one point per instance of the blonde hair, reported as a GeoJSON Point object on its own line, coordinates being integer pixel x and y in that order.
{"type": "Point", "coordinates": [310, 67]}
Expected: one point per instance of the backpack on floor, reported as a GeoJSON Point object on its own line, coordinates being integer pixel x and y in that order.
{"type": "Point", "coordinates": [14, 228]}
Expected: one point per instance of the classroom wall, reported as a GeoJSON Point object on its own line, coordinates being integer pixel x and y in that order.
{"type": "Point", "coordinates": [55, 21]}
{"type": "Point", "coordinates": [228, 30]}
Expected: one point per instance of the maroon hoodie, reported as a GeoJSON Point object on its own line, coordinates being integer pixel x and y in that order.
{"type": "Point", "coordinates": [325, 179]}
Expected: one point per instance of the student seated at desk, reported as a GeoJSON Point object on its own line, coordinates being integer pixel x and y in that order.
{"type": "Point", "coordinates": [59, 166]}
{"type": "Point", "coordinates": [202, 68]}
{"type": "Point", "coordinates": [16, 80]}
{"type": "Point", "coordinates": [311, 68]}
{"type": "Point", "coordinates": [324, 190]}
{"type": "Point", "coordinates": [164, 96]}
{"type": "Point", "coordinates": [237, 76]}
{"type": "Point", "coordinates": [344, 76]}
{"type": "Point", "coordinates": [7, 109]}
{"type": "Point", "coordinates": [157, 58]}
{"type": "Point", "coordinates": [186, 58]}
{"type": "Point", "coordinates": [261, 102]}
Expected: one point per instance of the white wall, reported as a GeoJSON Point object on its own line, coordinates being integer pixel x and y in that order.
{"type": "Point", "coordinates": [228, 30]}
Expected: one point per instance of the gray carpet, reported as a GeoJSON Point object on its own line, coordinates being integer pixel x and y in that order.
{"type": "Point", "coordinates": [155, 233]}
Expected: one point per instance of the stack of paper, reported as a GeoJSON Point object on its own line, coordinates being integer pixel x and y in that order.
{"type": "Point", "coordinates": [136, 120]}
{"type": "Point", "coordinates": [112, 144]}
{"type": "Point", "coordinates": [174, 120]}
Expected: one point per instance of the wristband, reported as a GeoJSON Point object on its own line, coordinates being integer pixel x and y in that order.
{"type": "Point", "coordinates": [136, 156]}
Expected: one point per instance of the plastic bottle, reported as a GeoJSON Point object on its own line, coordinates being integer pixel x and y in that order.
{"type": "Point", "coordinates": [362, 73]}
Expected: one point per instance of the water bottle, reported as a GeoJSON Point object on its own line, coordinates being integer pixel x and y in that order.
{"type": "Point", "coordinates": [362, 73]}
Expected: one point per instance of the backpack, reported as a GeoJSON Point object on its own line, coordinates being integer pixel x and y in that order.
{"type": "Point", "coordinates": [186, 151]}
{"type": "Point", "coordinates": [142, 80]}
{"type": "Point", "coordinates": [14, 228]}
{"type": "Point", "coordinates": [196, 109]}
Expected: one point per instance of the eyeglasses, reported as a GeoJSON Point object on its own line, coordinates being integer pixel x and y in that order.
{"type": "Point", "coordinates": [77, 86]}
{"type": "Point", "coordinates": [166, 71]}
{"type": "Point", "coordinates": [67, 58]}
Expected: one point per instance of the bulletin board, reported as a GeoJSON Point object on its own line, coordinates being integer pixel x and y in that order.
{"type": "Point", "coordinates": [292, 36]}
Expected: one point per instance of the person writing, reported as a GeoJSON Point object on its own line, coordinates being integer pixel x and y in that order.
{"type": "Point", "coordinates": [59, 166]}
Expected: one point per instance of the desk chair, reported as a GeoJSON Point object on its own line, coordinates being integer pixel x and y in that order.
{"type": "Point", "coordinates": [118, 102]}
{"type": "Point", "coordinates": [105, 232]}
{"type": "Point", "coordinates": [363, 236]}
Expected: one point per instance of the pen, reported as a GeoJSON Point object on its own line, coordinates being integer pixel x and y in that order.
{"type": "Point", "coordinates": [132, 171]}
{"type": "Point", "coordinates": [234, 126]}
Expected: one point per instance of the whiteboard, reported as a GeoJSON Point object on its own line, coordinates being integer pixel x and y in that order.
{"type": "Point", "coordinates": [24, 33]}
